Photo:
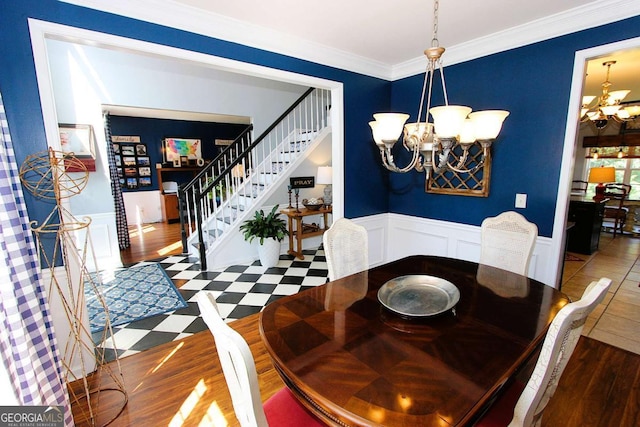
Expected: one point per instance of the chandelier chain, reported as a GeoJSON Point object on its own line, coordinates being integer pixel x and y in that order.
{"type": "Point", "coordinates": [434, 39]}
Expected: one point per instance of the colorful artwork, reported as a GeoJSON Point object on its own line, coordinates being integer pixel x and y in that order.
{"type": "Point", "coordinates": [176, 148]}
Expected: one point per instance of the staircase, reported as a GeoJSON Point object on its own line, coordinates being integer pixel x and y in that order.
{"type": "Point", "coordinates": [235, 184]}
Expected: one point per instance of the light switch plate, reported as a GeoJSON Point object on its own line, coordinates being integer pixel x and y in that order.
{"type": "Point", "coordinates": [521, 201]}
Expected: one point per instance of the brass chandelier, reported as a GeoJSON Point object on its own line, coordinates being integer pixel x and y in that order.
{"type": "Point", "coordinates": [432, 144]}
{"type": "Point", "coordinates": [609, 105]}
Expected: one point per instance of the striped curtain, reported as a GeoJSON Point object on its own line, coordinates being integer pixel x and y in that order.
{"type": "Point", "coordinates": [121, 214]}
{"type": "Point", "coordinates": [27, 344]}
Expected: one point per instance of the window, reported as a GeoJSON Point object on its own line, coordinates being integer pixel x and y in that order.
{"type": "Point", "coordinates": [627, 169]}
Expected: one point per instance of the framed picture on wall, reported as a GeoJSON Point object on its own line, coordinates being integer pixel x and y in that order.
{"type": "Point", "coordinates": [175, 148]}
{"type": "Point", "coordinates": [144, 181]}
{"type": "Point", "coordinates": [144, 171]}
{"type": "Point", "coordinates": [130, 171]}
{"type": "Point", "coordinates": [127, 150]}
{"type": "Point", "coordinates": [141, 149]}
{"type": "Point", "coordinates": [77, 139]}
{"type": "Point", "coordinates": [129, 161]}
{"type": "Point", "coordinates": [132, 183]}
{"type": "Point", "coordinates": [143, 161]}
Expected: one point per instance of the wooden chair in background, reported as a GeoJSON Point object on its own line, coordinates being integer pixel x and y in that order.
{"type": "Point", "coordinates": [615, 213]}
{"type": "Point", "coordinates": [579, 188]}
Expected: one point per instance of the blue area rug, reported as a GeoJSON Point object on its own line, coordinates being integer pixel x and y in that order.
{"type": "Point", "coordinates": [131, 294]}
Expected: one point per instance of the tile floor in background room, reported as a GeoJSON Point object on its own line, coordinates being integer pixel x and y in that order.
{"type": "Point", "coordinates": [616, 321]}
{"type": "Point", "coordinates": [240, 290]}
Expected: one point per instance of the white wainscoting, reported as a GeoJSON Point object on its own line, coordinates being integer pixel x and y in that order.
{"type": "Point", "coordinates": [394, 236]}
{"type": "Point", "coordinates": [104, 241]}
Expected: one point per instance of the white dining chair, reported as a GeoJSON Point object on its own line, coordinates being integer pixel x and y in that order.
{"type": "Point", "coordinates": [507, 242]}
{"type": "Point", "coordinates": [346, 248]}
{"type": "Point", "coordinates": [238, 366]}
{"type": "Point", "coordinates": [523, 405]}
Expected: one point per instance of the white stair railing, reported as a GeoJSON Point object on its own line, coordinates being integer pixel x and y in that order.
{"type": "Point", "coordinates": [227, 190]}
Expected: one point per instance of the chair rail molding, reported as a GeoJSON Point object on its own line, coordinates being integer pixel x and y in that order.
{"type": "Point", "coordinates": [394, 236]}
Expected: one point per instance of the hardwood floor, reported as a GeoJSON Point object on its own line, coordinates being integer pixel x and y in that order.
{"type": "Point", "coordinates": [150, 241]}
{"type": "Point", "coordinates": [181, 384]}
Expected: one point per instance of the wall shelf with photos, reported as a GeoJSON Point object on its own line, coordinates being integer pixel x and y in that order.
{"type": "Point", "coordinates": [132, 162]}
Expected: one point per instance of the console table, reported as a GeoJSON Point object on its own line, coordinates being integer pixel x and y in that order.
{"type": "Point", "coordinates": [299, 230]}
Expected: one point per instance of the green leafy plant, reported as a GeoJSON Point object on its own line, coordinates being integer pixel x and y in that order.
{"type": "Point", "coordinates": [219, 191]}
{"type": "Point", "coordinates": [265, 226]}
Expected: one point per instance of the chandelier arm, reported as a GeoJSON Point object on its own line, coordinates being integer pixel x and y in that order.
{"type": "Point", "coordinates": [466, 170]}
{"type": "Point", "coordinates": [486, 153]}
{"type": "Point", "coordinates": [390, 164]}
{"type": "Point", "coordinates": [443, 157]}
{"type": "Point", "coordinates": [463, 159]}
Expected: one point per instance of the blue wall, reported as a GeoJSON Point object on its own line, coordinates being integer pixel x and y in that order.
{"type": "Point", "coordinates": [365, 183]}
{"type": "Point", "coordinates": [532, 82]}
{"type": "Point", "coordinates": [153, 131]}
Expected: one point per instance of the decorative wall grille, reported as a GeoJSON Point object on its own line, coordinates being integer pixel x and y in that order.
{"type": "Point", "coordinates": [474, 184]}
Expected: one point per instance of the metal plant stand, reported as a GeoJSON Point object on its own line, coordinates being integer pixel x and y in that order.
{"type": "Point", "coordinates": [64, 245]}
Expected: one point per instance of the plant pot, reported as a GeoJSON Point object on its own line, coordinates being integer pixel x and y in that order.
{"type": "Point", "coordinates": [269, 253]}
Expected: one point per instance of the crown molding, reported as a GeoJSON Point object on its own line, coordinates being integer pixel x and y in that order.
{"type": "Point", "coordinates": [577, 19]}
{"type": "Point", "coordinates": [175, 15]}
{"type": "Point", "coordinates": [172, 14]}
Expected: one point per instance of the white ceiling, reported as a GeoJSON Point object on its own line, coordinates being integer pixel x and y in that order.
{"type": "Point", "coordinates": [390, 32]}
{"type": "Point", "coordinates": [384, 38]}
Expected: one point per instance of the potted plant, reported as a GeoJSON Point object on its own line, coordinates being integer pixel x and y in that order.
{"type": "Point", "coordinates": [270, 229]}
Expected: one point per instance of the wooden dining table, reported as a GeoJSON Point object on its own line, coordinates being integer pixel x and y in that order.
{"type": "Point", "coordinates": [354, 362]}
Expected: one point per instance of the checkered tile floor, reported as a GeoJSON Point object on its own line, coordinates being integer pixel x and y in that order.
{"type": "Point", "coordinates": [240, 290]}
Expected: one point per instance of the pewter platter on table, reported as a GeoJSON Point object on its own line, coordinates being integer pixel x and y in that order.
{"type": "Point", "coordinates": [418, 295]}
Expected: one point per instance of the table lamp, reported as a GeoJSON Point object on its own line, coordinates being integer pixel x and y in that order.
{"type": "Point", "coordinates": [599, 176]}
{"type": "Point", "coordinates": [325, 176]}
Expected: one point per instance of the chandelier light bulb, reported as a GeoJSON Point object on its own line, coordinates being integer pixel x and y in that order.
{"type": "Point", "coordinates": [387, 127]}
{"type": "Point", "coordinates": [616, 96]}
{"type": "Point", "coordinates": [586, 100]}
{"type": "Point", "coordinates": [468, 133]}
{"type": "Point", "coordinates": [633, 110]}
{"type": "Point", "coordinates": [449, 119]}
{"type": "Point", "coordinates": [610, 110]}
{"type": "Point", "coordinates": [623, 114]}
{"type": "Point", "coordinates": [488, 123]}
